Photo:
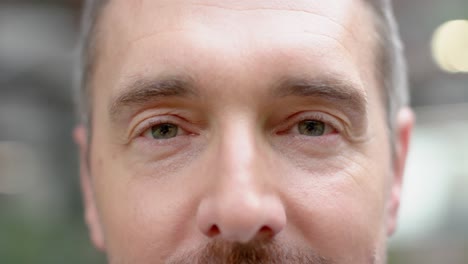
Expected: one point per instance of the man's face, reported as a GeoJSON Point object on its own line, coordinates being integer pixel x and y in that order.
{"type": "Point", "coordinates": [237, 131]}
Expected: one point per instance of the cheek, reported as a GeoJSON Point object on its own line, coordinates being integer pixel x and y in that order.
{"type": "Point", "coordinates": [144, 215]}
{"type": "Point", "coordinates": [338, 206]}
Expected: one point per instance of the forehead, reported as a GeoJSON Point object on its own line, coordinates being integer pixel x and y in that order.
{"type": "Point", "coordinates": [196, 37]}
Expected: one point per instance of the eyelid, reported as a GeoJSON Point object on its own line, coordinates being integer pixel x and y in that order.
{"type": "Point", "coordinates": [143, 126]}
{"type": "Point", "coordinates": [302, 116]}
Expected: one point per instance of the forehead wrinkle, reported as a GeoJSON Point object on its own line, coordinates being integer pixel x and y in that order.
{"type": "Point", "coordinates": [181, 27]}
{"type": "Point", "coordinates": [295, 10]}
{"type": "Point", "coordinates": [348, 20]}
{"type": "Point", "coordinates": [149, 35]}
{"type": "Point", "coordinates": [334, 39]}
{"type": "Point", "coordinates": [213, 5]}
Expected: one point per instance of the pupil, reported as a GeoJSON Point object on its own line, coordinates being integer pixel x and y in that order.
{"type": "Point", "coordinates": [313, 128]}
{"type": "Point", "coordinates": [164, 131]}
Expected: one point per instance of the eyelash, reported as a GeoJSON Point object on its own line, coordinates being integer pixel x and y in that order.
{"type": "Point", "coordinates": [139, 132]}
{"type": "Point", "coordinates": [291, 122]}
{"type": "Point", "coordinates": [295, 119]}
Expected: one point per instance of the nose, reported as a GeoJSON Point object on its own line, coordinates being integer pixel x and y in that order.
{"type": "Point", "coordinates": [242, 203]}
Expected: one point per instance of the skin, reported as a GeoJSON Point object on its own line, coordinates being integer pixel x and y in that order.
{"type": "Point", "coordinates": [237, 77]}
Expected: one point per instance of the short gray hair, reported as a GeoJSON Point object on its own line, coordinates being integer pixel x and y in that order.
{"type": "Point", "coordinates": [391, 61]}
{"type": "Point", "coordinates": [87, 49]}
{"type": "Point", "coordinates": [390, 58]}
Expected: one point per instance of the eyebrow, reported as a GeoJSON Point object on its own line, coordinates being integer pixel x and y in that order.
{"type": "Point", "coordinates": [340, 91]}
{"type": "Point", "coordinates": [142, 91]}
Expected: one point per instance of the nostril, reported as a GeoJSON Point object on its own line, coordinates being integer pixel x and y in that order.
{"type": "Point", "coordinates": [265, 229]}
{"type": "Point", "coordinates": [250, 219]}
{"type": "Point", "coordinates": [214, 231]}
{"type": "Point", "coordinates": [266, 232]}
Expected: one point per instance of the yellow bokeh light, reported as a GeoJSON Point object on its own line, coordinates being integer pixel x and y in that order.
{"type": "Point", "coordinates": [450, 46]}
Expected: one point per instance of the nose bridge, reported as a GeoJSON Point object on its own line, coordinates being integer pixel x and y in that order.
{"type": "Point", "coordinates": [238, 155]}
{"type": "Point", "coordinates": [239, 183]}
{"type": "Point", "coordinates": [242, 202]}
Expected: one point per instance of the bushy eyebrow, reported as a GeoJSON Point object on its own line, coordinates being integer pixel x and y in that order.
{"type": "Point", "coordinates": [338, 91]}
{"type": "Point", "coordinates": [141, 91]}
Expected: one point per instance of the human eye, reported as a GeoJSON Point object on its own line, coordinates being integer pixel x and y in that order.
{"type": "Point", "coordinates": [310, 124]}
{"type": "Point", "coordinates": [162, 131]}
{"type": "Point", "coordinates": [313, 128]}
{"type": "Point", "coordinates": [162, 128]}
{"type": "Point", "coordinates": [160, 136]}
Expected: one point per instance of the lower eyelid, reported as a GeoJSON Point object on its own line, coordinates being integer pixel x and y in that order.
{"type": "Point", "coordinates": [150, 144]}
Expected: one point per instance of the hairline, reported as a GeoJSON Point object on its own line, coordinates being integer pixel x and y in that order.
{"type": "Point", "coordinates": [88, 53]}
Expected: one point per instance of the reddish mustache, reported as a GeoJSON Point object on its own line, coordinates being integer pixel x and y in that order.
{"type": "Point", "coordinates": [256, 252]}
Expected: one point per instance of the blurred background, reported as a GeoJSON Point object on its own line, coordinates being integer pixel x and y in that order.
{"type": "Point", "coordinates": [40, 206]}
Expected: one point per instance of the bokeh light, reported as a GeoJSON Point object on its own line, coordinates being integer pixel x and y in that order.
{"type": "Point", "coordinates": [450, 46]}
